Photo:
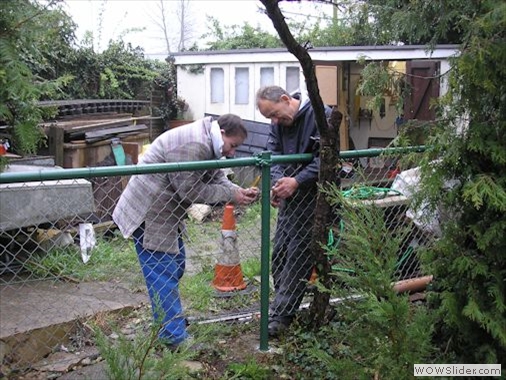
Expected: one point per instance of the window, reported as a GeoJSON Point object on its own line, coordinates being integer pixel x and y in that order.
{"type": "Point", "coordinates": [292, 79]}
{"type": "Point", "coordinates": [217, 85]}
{"type": "Point", "coordinates": [266, 76]}
{"type": "Point", "coordinates": [241, 85]}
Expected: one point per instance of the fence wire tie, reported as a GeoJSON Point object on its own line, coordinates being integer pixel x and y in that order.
{"type": "Point", "coordinates": [259, 161]}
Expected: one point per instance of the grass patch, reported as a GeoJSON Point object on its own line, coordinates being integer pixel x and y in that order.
{"type": "Point", "coordinates": [202, 300]}
{"type": "Point", "coordinates": [111, 260]}
{"type": "Point", "coordinates": [197, 291]}
{"type": "Point", "coordinates": [251, 267]}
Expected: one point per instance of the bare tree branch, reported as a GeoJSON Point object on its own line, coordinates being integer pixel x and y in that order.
{"type": "Point", "coordinates": [175, 29]}
{"type": "Point", "coordinates": [185, 26]}
{"type": "Point", "coordinates": [165, 26]}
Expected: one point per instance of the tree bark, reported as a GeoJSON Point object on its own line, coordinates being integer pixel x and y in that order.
{"type": "Point", "coordinates": [329, 158]}
{"type": "Point", "coordinates": [325, 215]}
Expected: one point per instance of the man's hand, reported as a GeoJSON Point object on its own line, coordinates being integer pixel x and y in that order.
{"type": "Point", "coordinates": [284, 188]}
{"type": "Point", "coordinates": [246, 196]}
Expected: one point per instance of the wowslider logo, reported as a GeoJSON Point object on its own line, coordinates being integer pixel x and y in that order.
{"type": "Point", "coordinates": [492, 370]}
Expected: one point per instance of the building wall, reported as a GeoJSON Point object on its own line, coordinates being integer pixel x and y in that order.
{"type": "Point", "coordinates": [240, 82]}
{"type": "Point", "coordinates": [196, 88]}
{"type": "Point", "coordinates": [192, 87]}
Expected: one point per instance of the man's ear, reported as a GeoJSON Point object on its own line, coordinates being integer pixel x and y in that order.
{"type": "Point", "coordinates": [284, 98]}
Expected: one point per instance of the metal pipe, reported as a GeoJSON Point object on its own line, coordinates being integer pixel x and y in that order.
{"type": "Point", "coordinates": [412, 284]}
{"type": "Point", "coordinates": [105, 171]}
{"type": "Point", "coordinates": [265, 250]}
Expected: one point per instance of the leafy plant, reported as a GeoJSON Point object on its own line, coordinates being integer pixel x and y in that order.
{"type": "Point", "coordinates": [249, 370]}
{"type": "Point", "coordinates": [172, 106]}
{"type": "Point", "coordinates": [378, 333]}
{"type": "Point", "coordinates": [238, 37]}
{"type": "Point", "coordinates": [464, 179]}
{"type": "Point", "coordinates": [141, 358]}
{"type": "Point", "coordinates": [378, 80]}
{"type": "Point", "coordinates": [26, 28]}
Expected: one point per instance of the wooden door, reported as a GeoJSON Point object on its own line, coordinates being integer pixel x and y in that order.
{"type": "Point", "coordinates": [422, 78]}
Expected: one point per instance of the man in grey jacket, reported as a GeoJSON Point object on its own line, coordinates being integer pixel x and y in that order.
{"type": "Point", "coordinates": [294, 192]}
{"type": "Point", "coordinates": [152, 208]}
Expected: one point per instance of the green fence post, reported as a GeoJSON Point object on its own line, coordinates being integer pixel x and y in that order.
{"type": "Point", "coordinates": [265, 250]}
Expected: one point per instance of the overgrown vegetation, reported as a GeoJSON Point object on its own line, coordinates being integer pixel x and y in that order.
{"type": "Point", "coordinates": [217, 346]}
{"type": "Point", "coordinates": [467, 184]}
{"type": "Point", "coordinates": [463, 174]}
{"type": "Point", "coordinates": [40, 60]}
{"type": "Point", "coordinates": [142, 357]}
{"type": "Point", "coordinates": [374, 332]}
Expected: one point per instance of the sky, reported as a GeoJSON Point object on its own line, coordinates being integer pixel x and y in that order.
{"type": "Point", "coordinates": [112, 19]}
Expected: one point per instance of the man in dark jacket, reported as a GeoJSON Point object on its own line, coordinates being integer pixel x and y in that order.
{"type": "Point", "coordinates": [294, 191]}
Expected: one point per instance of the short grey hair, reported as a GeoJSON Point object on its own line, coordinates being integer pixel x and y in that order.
{"type": "Point", "coordinates": [271, 93]}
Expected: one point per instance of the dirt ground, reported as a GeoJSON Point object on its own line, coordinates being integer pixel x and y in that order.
{"type": "Point", "coordinates": [212, 361]}
{"type": "Point", "coordinates": [84, 362]}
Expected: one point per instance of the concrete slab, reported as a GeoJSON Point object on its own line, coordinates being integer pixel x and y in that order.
{"type": "Point", "coordinates": [33, 203]}
{"type": "Point", "coordinates": [37, 316]}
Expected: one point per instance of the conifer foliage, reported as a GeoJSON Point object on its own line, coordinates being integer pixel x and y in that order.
{"type": "Point", "coordinates": [465, 181]}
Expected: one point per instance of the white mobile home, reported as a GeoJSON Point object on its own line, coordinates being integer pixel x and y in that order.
{"type": "Point", "coordinates": [217, 82]}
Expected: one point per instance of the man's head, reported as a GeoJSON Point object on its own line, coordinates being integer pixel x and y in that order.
{"type": "Point", "coordinates": [276, 104]}
{"type": "Point", "coordinates": [233, 133]}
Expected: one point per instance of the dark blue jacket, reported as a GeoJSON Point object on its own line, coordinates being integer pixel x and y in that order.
{"type": "Point", "coordinates": [302, 137]}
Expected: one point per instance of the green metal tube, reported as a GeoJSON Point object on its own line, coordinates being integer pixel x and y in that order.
{"type": "Point", "coordinates": [265, 251]}
{"type": "Point", "coordinates": [379, 151]}
{"type": "Point", "coordinates": [105, 171]}
{"type": "Point", "coordinates": [45, 175]}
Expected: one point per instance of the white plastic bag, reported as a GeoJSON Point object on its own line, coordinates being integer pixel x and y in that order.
{"type": "Point", "coordinates": [406, 182]}
{"type": "Point", "coordinates": [87, 240]}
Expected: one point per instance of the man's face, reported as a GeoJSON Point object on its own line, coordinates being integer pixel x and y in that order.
{"type": "Point", "coordinates": [280, 113]}
{"type": "Point", "coordinates": [230, 144]}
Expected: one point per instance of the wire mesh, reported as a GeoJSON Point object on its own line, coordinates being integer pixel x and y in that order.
{"type": "Point", "coordinates": [63, 260]}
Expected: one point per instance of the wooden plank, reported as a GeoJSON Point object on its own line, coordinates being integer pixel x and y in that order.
{"type": "Point", "coordinates": [327, 77]}
{"type": "Point", "coordinates": [55, 144]}
{"type": "Point", "coordinates": [132, 150]}
{"type": "Point", "coordinates": [80, 130]}
{"type": "Point", "coordinates": [344, 131]}
{"type": "Point", "coordinates": [92, 136]}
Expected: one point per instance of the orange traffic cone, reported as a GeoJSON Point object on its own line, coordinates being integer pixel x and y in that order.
{"type": "Point", "coordinates": [228, 273]}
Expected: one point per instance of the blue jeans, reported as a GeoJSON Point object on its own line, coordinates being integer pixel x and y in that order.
{"type": "Point", "coordinates": [162, 272]}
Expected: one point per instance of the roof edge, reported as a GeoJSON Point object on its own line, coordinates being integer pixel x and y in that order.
{"type": "Point", "coordinates": [317, 49]}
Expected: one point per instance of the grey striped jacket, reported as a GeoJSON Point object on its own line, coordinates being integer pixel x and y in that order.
{"type": "Point", "coordinates": [160, 200]}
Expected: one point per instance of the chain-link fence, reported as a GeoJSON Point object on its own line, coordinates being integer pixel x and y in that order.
{"type": "Point", "coordinates": [63, 259]}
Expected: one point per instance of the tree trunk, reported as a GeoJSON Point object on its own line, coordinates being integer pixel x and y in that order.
{"type": "Point", "coordinates": [324, 214]}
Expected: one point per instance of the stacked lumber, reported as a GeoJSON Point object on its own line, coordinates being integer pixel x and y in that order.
{"type": "Point", "coordinates": [82, 133]}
